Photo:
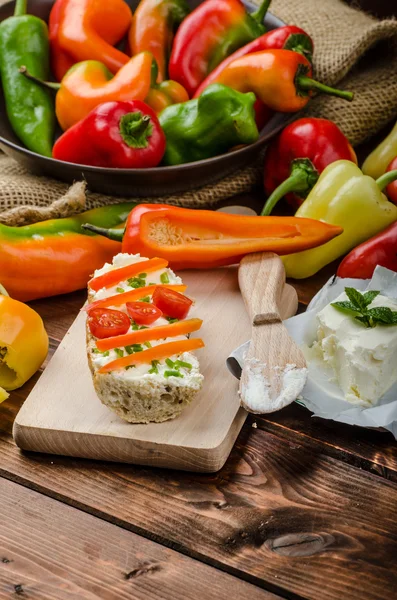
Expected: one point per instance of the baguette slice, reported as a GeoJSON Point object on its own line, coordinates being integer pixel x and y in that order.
{"type": "Point", "coordinates": [134, 394]}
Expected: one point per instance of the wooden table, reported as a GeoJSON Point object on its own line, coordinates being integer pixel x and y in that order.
{"type": "Point", "coordinates": [303, 508]}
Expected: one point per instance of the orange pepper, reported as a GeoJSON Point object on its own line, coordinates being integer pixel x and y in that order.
{"type": "Point", "coordinates": [148, 335]}
{"type": "Point", "coordinates": [120, 299]}
{"type": "Point", "coordinates": [166, 93]}
{"type": "Point", "coordinates": [87, 30]}
{"type": "Point", "coordinates": [114, 276]}
{"type": "Point", "coordinates": [202, 239]}
{"type": "Point", "coordinates": [281, 79]}
{"type": "Point", "coordinates": [156, 353]}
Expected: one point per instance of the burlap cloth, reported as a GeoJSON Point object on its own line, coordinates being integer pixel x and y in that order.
{"type": "Point", "coordinates": [344, 39]}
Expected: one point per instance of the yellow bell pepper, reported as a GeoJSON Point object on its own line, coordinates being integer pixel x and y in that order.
{"type": "Point", "coordinates": [342, 196]}
{"type": "Point", "coordinates": [377, 162]}
{"type": "Point", "coordinates": [23, 343]}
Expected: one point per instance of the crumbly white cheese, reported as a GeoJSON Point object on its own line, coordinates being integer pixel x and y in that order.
{"type": "Point", "coordinates": [191, 376]}
{"type": "Point", "coordinates": [363, 359]}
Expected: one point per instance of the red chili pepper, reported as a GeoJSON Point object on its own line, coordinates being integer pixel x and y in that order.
{"type": "Point", "coordinates": [295, 159]}
{"type": "Point", "coordinates": [124, 135]}
{"type": "Point", "coordinates": [215, 29]}
{"type": "Point", "coordinates": [391, 190]}
{"type": "Point", "coordinates": [288, 37]}
{"type": "Point", "coordinates": [380, 250]}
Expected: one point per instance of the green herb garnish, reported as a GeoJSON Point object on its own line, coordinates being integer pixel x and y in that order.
{"type": "Point", "coordinates": [154, 368]}
{"type": "Point", "coordinates": [172, 374]}
{"type": "Point", "coordinates": [171, 319]}
{"type": "Point", "coordinates": [119, 352]}
{"type": "Point", "coordinates": [133, 348]}
{"type": "Point", "coordinates": [147, 344]}
{"type": "Point", "coordinates": [164, 278]}
{"type": "Point", "coordinates": [120, 290]}
{"type": "Point", "coordinates": [170, 363]}
{"type": "Point", "coordinates": [96, 351]}
{"type": "Point", "coordinates": [145, 299]}
{"type": "Point", "coordinates": [358, 304]}
{"type": "Point", "coordinates": [130, 367]}
{"type": "Point", "coordinates": [138, 281]}
{"type": "Point", "coordinates": [182, 364]}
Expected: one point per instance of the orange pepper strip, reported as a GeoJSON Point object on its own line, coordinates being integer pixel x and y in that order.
{"type": "Point", "coordinates": [114, 277]}
{"type": "Point", "coordinates": [120, 299]}
{"type": "Point", "coordinates": [152, 333]}
{"type": "Point", "coordinates": [156, 353]}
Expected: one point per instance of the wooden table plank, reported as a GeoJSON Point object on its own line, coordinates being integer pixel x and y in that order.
{"type": "Point", "coordinates": [50, 551]}
{"type": "Point", "coordinates": [279, 514]}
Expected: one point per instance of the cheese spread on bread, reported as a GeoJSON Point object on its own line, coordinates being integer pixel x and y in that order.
{"type": "Point", "coordinates": [141, 392]}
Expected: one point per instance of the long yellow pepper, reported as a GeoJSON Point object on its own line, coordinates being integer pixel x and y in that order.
{"type": "Point", "coordinates": [23, 343]}
{"type": "Point", "coordinates": [377, 162]}
{"type": "Point", "coordinates": [342, 196]}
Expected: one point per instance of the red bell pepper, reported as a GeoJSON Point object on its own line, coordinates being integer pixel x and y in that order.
{"type": "Point", "coordinates": [391, 190]}
{"type": "Point", "coordinates": [380, 250]}
{"type": "Point", "coordinates": [295, 159]}
{"type": "Point", "coordinates": [215, 29]}
{"type": "Point", "coordinates": [288, 37]}
{"type": "Point", "coordinates": [122, 135]}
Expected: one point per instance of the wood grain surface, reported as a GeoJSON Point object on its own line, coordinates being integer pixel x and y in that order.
{"type": "Point", "coordinates": [53, 551]}
{"type": "Point", "coordinates": [63, 414]}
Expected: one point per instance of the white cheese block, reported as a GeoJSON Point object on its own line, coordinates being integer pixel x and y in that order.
{"type": "Point", "coordinates": [363, 359]}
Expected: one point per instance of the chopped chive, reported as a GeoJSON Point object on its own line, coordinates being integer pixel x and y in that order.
{"type": "Point", "coordinates": [145, 299]}
{"type": "Point", "coordinates": [106, 353]}
{"type": "Point", "coordinates": [119, 352]}
{"type": "Point", "coordinates": [130, 367]}
{"type": "Point", "coordinates": [134, 326]}
{"type": "Point", "coordinates": [185, 365]}
{"type": "Point", "coordinates": [172, 374]}
{"type": "Point", "coordinates": [164, 277]}
{"type": "Point", "coordinates": [154, 368]}
{"type": "Point", "coordinates": [120, 290]}
{"type": "Point", "coordinates": [170, 363]}
{"type": "Point", "coordinates": [151, 284]}
{"type": "Point", "coordinates": [133, 348]}
{"type": "Point", "coordinates": [171, 319]}
{"type": "Point", "coordinates": [142, 275]}
{"type": "Point", "coordinates": [96, 351]}
{"type": "Point", "coordinates": [148, 344]}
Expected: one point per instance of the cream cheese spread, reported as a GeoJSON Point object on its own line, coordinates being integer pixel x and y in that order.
{"type": "Point", "coordinates": [364, 360]}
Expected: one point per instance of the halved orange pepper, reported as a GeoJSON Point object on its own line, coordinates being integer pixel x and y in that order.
{"type": "Point", "coordinates": [150, 334]}
{"type": "Point", "coordinates": [87, 30]}
{"type": "Point", "coordinates": [202, 239]}
{"type": "Point", "coordinates": [114, 276]}
{"type": "Point", "coordinates": [156, 353]}
{"type": "Point", "coordinates": [120, 299]}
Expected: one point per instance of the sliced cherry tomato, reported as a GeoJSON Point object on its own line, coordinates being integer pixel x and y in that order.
{"type": "Point", "coordinates": [143, 313]}
{"type": "Point", "coordinates": [171, 303]}
{"type": "Point", "coordinates": [106, 322]}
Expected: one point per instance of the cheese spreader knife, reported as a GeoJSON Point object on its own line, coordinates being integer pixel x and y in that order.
{"type": "Point", "coordinates": [274, 370]}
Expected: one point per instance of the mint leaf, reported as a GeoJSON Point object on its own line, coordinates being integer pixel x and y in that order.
{"type": "Point", "coordinates": [346, 307]}
{"type": "Point", "coordinates": [370, 296]}
{"type": "Point", "coordinates": [382, 314]}
{"type": "Point", "coordinates": [356, 298]}
{"type": "Point", "coordinates": [363, 319]}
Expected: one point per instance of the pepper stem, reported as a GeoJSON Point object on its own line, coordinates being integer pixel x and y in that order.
{"type": "Point", "coordinates": [305, 83]}
{"type": "Point", "coordinates": [259, 15]}
{"type": "Point", "coordinates": [20, 8]}
{"type": "Point", "coordinates": [135, 129]}
{"type": "Point", "coordinates": [112, 234]}
{"type": "Point", "coordinates": [302, 179]}
{"type": "Point", "coordinates": [386, 178]}
{"type": "Point", "coordinates": [48, 84]}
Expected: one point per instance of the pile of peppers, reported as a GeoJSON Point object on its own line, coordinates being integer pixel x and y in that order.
{"type": "Point", "coordinates": [190, 68]}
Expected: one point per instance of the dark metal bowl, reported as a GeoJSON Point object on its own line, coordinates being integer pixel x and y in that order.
{"type": "Point", "coordinates": [158, 181]}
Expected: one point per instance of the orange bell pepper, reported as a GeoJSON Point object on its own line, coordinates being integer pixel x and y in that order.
{"type": "Point", "coordinates": [90, 83]}
{"type": "Point", "coordinates": [202, 239]}
{"type": "Point", "coordinates": [281, 79]}
{"type": "Point", "coordinates": [156, 353]}
{"type": "Point", "coordinates": [153, 26]}
{"type": "Point", "coordinates": [148, 335]}
{"type": "Point", "coordinates": [120, 299]}
{"type": "Point", "coordinates": [87, 30]}
{"type": "Point", "coordinates": [113, 277]}
{"type": "Point", "coordinates": [23, 343]}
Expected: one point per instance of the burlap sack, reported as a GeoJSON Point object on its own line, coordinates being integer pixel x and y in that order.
{"type": "Point", "coordinates": [343, 39]}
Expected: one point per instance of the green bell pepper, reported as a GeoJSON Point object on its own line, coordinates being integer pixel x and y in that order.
{"type": "Point", "coordinates": [209, 125]}
{"type": "Point", "coordinates": [30, 107]}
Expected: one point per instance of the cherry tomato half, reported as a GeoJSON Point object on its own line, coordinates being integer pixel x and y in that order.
{"type": "Point", "coordinates": [106, 322]}
{"type": "Point", "coordinates": [171, 303]}
{"type": "Point", "coordinates": [143, 313]}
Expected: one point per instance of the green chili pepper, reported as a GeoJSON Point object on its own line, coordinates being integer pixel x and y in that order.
{"type": "Point", "coordinates": [209, 125]}
{"type": "Point", "coordinates": [30, 107]}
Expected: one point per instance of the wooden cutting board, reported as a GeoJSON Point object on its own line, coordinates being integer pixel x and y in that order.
{"type": "Point", "coordinates": [63, 415]}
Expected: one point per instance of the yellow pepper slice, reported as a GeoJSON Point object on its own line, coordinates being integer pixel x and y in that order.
{"type": "Point", "coordinates": [23, 343]}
